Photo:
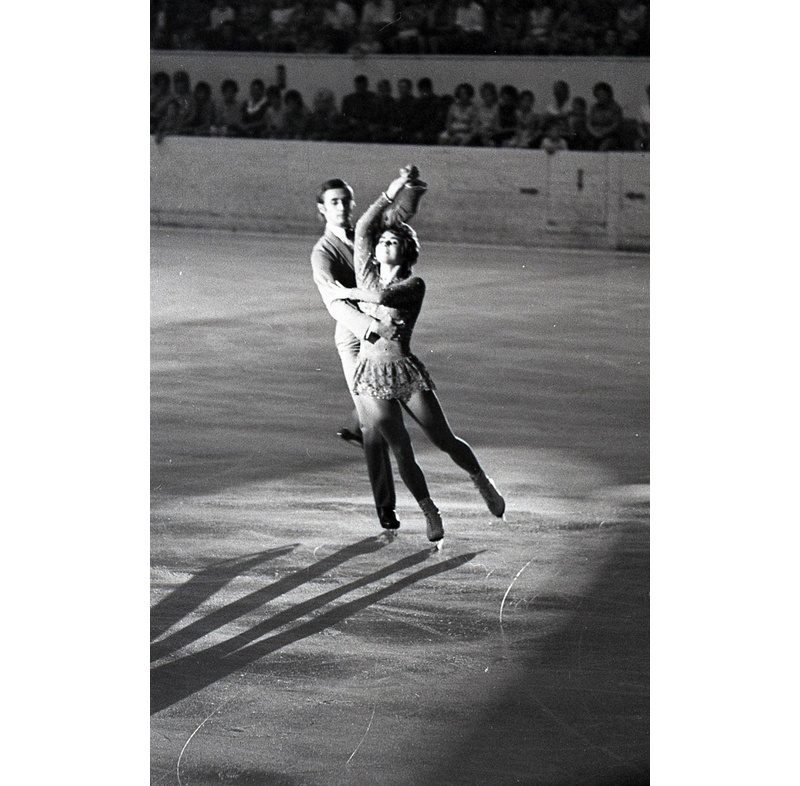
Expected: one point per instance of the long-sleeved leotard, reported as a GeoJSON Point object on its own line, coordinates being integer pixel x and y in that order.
{"type": "Point", "coordinates": [387, 369]}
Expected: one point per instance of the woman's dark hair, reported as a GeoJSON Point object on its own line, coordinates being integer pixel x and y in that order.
{"type": "Point", "coordinates": [334, 182]}
{"type": "Point", "coordinates": [409, 242]}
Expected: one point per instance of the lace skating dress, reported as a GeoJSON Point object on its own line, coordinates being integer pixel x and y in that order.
{"type": "Point", "coordinates": [387, 369]}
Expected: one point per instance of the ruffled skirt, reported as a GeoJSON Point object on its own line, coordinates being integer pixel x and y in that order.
{"type": "Point", "coordinates": [397, 378]}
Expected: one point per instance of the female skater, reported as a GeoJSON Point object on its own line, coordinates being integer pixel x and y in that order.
{"type": "Point", "coordinates": [388, 372]}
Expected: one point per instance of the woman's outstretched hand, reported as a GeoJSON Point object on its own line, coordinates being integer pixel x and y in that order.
{"type": "Point", "coordinates": [407, 174]}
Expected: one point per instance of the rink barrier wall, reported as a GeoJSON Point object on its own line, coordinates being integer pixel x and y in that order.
{"type": "Point", "coordinates": [475, 195]}
{"type": "Point", "coordinates": [308, 73]}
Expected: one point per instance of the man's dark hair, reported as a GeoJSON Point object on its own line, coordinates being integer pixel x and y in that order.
{"type": "Point", "coordinates": [425, 84]}
{"type": "Point", "coordinates": [330, 184]}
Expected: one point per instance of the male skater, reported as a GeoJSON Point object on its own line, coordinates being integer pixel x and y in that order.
{"type": "Point", "coordinates": [332, 262]}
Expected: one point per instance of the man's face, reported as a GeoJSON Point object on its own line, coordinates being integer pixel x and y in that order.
{"type": "Point", "coordinates": [337, 207]}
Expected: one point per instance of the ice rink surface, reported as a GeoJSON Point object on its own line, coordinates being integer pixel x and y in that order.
{"type": "Point", "coordinates": [293, 644]}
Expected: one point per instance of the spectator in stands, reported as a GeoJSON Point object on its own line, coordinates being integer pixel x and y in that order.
{"type": "Point", "coordinates": [536, 34]}
{"type": "Point", "coordinates": [160, 23]}
{"type": "Point", "coordinates": [461, 126]}
{"type": "Point", "coordinates": [294, 120]}
{"type": "Point", "coordinates": [529, 123]}
{"type": "Point", "coordinates": [488, 114]}
{"type": "Point", "coordinates": [360, 111]}
{"type": "Point", "coordinates": [159, 99]}
{"type": "Point", "coordinates": [171, 122]}
{"type": "Point", "coordinates": [205, 112]}
{"type": "Point", "coordinates": [506, 115]}
{"type": "Point", "coordinates": [469, 28]}
{"type": "Point", "coordinates": [283, 20]}
{"type": "Point", "coordinates": [631, 26]}
{"type": "Point", "coordinates": [604, 121]}
{"type": "Point", "coordinates": [220, 13]}
{"type": "Point", "coordinates": [439, 27]}
{"type": "Point", "coordinates": [367, 41]}
{"type": "Point", "coordinates": [380, 16]}
{"type": "Point", "coordinates": [182, 94]}
{"type": "Point", "coordinates": [570, 30]}
{"type": "Point", "coordinates": [643, 125]}
{"type": "Point", "coordinates": [577, 133]}
{"type": "Point", "coordinates": [341, 23]}
{"type": "Point", "coordinates": [274, 115]}
{"type": "Point", "coordinates": [558, 108]}
{"type": "Point", "coordinates": [409, 29]}
{"type": "Point", "coordinates": [430, 118]}
{"type": "Point", "coordinates": [253, 121]}
{"type": "Point", "coordinates": [610, 45]}
{"type": "Point", "coordinates": [325, 122]}
{"type": "Point", "coordinates": [189, 38]}
{"type": "Point", "coordinates": [253, 20]}
{"type": "Point", "coordinates": [508, 24]}
{"type": "Point", "coordinates": [553, 140]}
{"type": "Point", "coordinates": [405, 111]}
{"type": "Point", "coordinates": [229, 110]}
{"type": "Point", "coordinates": [387, 127]}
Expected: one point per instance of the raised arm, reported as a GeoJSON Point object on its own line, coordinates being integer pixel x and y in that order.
{"type": "Point", "coordinates": [367, 225]}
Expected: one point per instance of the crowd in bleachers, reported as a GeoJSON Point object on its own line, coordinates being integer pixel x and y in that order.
{"type": "Point", "coordinates": [359, 27]}
{"type": "Point", "coordinates": [415, 114]}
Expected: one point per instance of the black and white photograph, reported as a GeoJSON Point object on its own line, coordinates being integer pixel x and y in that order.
{"type": "Point", "coordinates": [399, 306]}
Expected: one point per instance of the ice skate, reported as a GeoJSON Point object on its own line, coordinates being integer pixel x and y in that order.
{"type": "Point", "coordinates": [433, 520]}
{"type": "Point", "coordinates": [388, 519]}
{"type": "Point", "coordinates": [489, 492]}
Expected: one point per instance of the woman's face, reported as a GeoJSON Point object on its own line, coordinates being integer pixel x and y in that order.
{"type": "Point", "coordinates": [388, 250]}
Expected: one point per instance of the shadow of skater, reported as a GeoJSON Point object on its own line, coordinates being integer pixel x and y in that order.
{"type": "Point", "coordinates": [222, 616]}
{"type": "Point", "coordinates": [175, 681]}
{"type": "Point", "coordinates": [200, 587]}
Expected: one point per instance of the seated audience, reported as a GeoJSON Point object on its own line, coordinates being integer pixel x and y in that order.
{"type": "Point", "coordinates": [538, 24]}
{"type": "Point", "coordinates": [487, 106]}
{"type": "Point", "coordinates": [379, 16]}
{"type": "Point", "coordinates": [604, 121]}
{"type": "Point", "coordinates": [359, 109]}
{"type": "Point", "coordinates": [405, 111]}
{"type": "Point", "coordinates": [577, 132]}
{"type": "Point", "coordinates": [529, 123]}
{"type": "Point", "coordinates": [558, 107]}
{"type": "Point", "coordinates": [325, 122]}
{"type": "Point", "coordinates": [553, 140]}
{"type": "Point", "coordinates": [159, 98]}
{"type": "Point", "coordinates": [294, 121]}
{"type": "Point", "coordinates": [461, 125]}
{"type": "Point", "coordinates": [182, 94]}
{"type": "Point", "coordinates": [631, 25]}
{"type": "Point", "coordinates": [469, 28]}
{"type": "Point", "coordinates": [253, 122]}
{"type": "Point", "coordinates": [409, 29]}
{"type": "Point", "coordinates": [205, 112]}
{"type": "Point", "coordinates": [430, 115]}
{"type": "Point", "coordinates": [506, 115]}
{"type": "Point", "coordinates": [229, 110]}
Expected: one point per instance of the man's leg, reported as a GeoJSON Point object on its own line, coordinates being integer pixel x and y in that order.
{"type": "Point", "coordinates": [376, 451]}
